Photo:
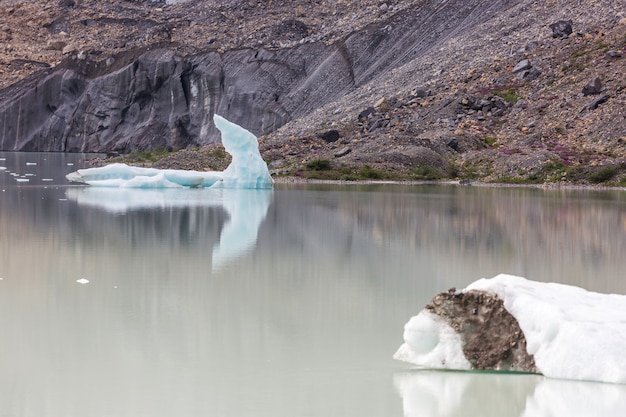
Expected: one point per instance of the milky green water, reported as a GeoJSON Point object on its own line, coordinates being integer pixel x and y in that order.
{"type": "Point", "coordinates": [288, 302]}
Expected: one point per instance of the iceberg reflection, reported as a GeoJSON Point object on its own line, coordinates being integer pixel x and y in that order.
{"type": "Point", "coordinates": [456, 394]}
{"type": "Point", "coordinates": [246, 209]}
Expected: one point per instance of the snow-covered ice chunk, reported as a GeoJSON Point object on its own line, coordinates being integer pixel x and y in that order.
{"type": "Point", "coordinates": [247, 169]}
{"type": "Point", "coordinates": [570, 333]}
{"type": "Point", "coordinates": [433, 342]}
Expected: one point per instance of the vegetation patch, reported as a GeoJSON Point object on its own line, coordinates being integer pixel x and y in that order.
{"type": "Point", "coordinates": [319, 165]}
{"type": "Point", "coordinates": [426, 172]}
{"type": "Point", "coordinates": [324, 170]}
{"type": "Point", "coordinates": [145, 156]}
{"type": "Point", "coordinates": [603, 174]}
{"type": "Point", "coordinates": [508, 94]}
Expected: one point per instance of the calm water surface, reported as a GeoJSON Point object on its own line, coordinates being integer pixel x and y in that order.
{"type": "Point", "coordinates": [277, 303]}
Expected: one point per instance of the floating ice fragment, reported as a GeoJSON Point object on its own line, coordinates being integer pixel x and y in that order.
{"type": "Point", "coordinates": [566, 331]}
{"type": "Point", "coordinates": [31, 163]}
{"type": "Point", "coordinates": [3, 168]}
{"type": "Point", "coordinates": [47, 179]}
{"type": "Point", "coordinates": [22, 180]}
{"type": "Point", "coordinates": [82, 281]}
{"type": "Point", "coordinates": [247, 169]}
{"type": "Point", "coordinates": [69, 164]}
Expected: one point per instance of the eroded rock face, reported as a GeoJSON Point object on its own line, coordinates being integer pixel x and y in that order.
{"type": "Point", "coordinates": [159, 98]}
{"type": "Point", "coordinates": [491, 336]}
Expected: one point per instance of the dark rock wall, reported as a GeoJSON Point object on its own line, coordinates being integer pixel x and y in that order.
{"type": "Point", "coordinates": [161, 99]}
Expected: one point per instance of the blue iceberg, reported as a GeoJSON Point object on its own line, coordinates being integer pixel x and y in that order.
{"type": "Point", "coordinates": [247, 169]}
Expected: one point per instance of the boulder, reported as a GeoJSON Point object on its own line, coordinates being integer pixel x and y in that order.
{"type": "Point", "coordinates": [561, 29]}
{"type": "Point", "coordinates": [522, 66]}
{"type": "Point", "coordinates": [330, 136]}
{"type": "Point", "coordinates": [593, 87]}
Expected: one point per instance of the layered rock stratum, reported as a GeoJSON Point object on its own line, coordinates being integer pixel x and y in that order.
{"type": "Point", "coordinates": [505, 90]}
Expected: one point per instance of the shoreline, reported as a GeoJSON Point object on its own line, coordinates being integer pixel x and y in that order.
{"type": "Point", "coordinates": [547, 186]}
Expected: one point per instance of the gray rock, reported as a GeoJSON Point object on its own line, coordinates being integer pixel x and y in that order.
{"type": "Point", "coordinates": [342, 152]}
{"type": "Point", "coordinates": [453, 143]}
{"type": "Point", "coordinates": [56, 45]}
{"type": "Point", "coordinates": [613, 54]}
{"type": "Point", "coordinates": [595, 103]}
{"type": "Point", "coordinates": [561, 29]}
{"type": "Point", "coordinates": [592, 87]}
{"type": "Point", "coordinates": [522, 66]}
{"type": "Point", "coordinates": [330, 136]}
{"type": "Point", "coordinates": [531, 74]}
{"type": "Point", "coordinates": [365, 114]}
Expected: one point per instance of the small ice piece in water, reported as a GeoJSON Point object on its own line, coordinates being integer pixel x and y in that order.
{"type": "Point", "coordinates": [22, 180]}
{"type": "Point", "coordinates": [3, 168]}
{"type": "Point", "coordinates": [247, 170]}
{"type": "Point", "coordinates": [31, 163]}
{"type": "Point", "coordinates": [83, 281]}
{"type": "Point", "coordinates": [47, 179]}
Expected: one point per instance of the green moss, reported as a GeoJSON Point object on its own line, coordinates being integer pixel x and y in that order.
{"type": "Point", "coordinates": [218, 153]}
{"type": "Point", "coordinates": [603, 174]}
{"type": "Point", "coordinates": [319, 165]}
{"type": "Point", "coordinates": [489, 140]}
{"type": "Point", "coordinates": [368, 172]}
{"type": "Point", "coordinates": [427, 172]}
{"type": "Point", "coordinates": [146, 156]}
{"type": "Point", "coordinates": [508, 94]}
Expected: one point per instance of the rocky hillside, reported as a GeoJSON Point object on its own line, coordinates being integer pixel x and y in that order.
{"type": "Point", "coordinates": [507, 91]}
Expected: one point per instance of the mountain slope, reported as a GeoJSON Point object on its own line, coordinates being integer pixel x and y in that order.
{"type": "Point", "coordinates": [431, 80]}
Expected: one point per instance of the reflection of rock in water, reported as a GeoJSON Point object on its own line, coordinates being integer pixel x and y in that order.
{"type": "Point", "coordinates": [491, 336]}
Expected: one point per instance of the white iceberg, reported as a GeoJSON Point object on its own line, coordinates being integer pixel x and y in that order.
{"type": "Point", "coordinates": [569, 332]}
{"type": "Point", "coordinates": [247, 169]}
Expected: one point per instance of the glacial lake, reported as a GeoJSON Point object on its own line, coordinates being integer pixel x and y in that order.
{"type": "Point", "coordinates": [288, 302]}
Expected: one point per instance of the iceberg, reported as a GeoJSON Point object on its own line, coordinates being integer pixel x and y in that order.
{"type": "Point", "coordinates": [510, 323]}
{"type": "Point", "coordinates": [247, 169]}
